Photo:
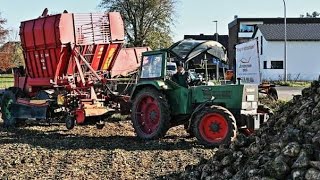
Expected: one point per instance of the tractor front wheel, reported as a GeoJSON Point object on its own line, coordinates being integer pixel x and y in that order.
{"type": "Point", "coordinates": [214, 126]}
{"type": "Point", "coordinates": [150, 114]}
{"type": "Point", "coordinates": [188, 129]}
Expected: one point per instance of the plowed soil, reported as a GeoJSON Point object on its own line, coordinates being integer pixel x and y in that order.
{"type": "Point", "coordinates": [52, 152]}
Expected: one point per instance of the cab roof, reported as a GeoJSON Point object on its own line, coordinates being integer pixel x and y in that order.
{"type": "Point", "coordinates": [187, 49]}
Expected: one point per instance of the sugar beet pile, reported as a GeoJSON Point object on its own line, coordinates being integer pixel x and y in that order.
{"type": "Point", "coordinates": [287, 147]}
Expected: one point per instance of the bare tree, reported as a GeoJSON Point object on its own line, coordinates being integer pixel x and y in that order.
{"type": "Point", "coordinates": [3, 31]}
{"type": "Point", "coordinates": [147, 22]}
{"type": "Point", "coordinates": [13, 35]}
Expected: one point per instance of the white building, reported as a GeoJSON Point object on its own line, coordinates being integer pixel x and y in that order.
{"type": "Point", "coordinates": [303, 51]}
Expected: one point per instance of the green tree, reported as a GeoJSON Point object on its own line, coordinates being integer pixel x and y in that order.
{"type": "Point", "coordinates": [314, 14]}
{"type": "Point", "coordinates": [3, 31]}
{"type": "Point", "coordinates": [147, 22]}
{"type": "Point", "coordinates": [11, 55]}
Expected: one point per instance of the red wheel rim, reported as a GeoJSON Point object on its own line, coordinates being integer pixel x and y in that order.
{"type": "Point", "coordinates": [214, 127]}
{"type": "Point", "coordinates": [148, 114]}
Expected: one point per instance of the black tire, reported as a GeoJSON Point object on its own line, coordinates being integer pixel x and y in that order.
{"type": "Point", "coordinates": [8, 99]}
{"type": "Point", "coordinates": [273, 94]}
{"type": "Point", "coordinates": [188, 129]}
{"type": "Point", "coordinates": [70, 122]}
{"type": "Point", "coordinates": [158, 110]}
{"type": "Point", "coordinates": [100, 124]}
{"type": "Point", "coordinates": [222, 129]}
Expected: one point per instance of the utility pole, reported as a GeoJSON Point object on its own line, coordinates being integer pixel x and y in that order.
{"type": "Point", "coordinates": [285, 41]}
{"type": "Point", "coordinates": [217, 61]}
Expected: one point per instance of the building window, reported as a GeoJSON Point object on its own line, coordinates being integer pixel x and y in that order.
{"type": "Point", "coordinates": [265, 65]}
{"type": "Point", "coordinates": [276, 64]}
{"type": "Point", "coordinates": [246, 28]}
{"type": "Point", "coordinates": [261, 45]}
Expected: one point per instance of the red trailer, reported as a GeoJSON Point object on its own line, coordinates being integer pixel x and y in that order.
{"type": "Point", "coordinates": [70, 60]}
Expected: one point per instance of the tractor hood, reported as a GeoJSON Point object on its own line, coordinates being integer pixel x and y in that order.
{"type": "Point", "coordinates": [190, 48]}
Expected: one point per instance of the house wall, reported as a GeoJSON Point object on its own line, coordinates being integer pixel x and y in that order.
{"type": "Point", "coordinates": [234, 28]}
{"type": "Point", "coordinates": [303, 59]}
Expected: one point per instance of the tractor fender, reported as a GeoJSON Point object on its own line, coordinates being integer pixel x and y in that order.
{"type": "Point", "coordinates": [194, 113]}
{"type": "Point", "coordinates": [158, 85]}
{"type": "Point", "coordinates": [196, 110]}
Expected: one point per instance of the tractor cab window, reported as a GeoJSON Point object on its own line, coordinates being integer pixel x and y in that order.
{"type": "Point", "coordinates": [151, 66]}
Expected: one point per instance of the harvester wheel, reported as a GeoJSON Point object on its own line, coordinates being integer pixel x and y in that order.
{"type": "Point", "coordinates": [7, 100]}
{"type": "Point", "coordinates": [70, 122]}
{"type": "Point", "coordinates": [214, 126]}
{"type": "Point", "coordinates": [150, 114]}
{"type": "Point", "coordinates": [100, 124]}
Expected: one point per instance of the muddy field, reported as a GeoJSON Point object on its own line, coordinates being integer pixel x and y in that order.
{"type": "Point", "coordinates": [52, 152]}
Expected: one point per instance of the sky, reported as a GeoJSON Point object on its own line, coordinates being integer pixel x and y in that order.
{"type": "Point", "coordinates": [191, 17]}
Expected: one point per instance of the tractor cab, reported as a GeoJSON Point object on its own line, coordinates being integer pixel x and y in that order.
{"type": "Point", "coordinates": [200, 59]}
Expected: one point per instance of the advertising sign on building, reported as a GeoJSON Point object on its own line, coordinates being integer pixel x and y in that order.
{"type": "Point", "coordinates": [247, 62]}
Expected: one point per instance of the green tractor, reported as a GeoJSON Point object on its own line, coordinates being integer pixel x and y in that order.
{"type": "Point", "coordinates": [211, 113]}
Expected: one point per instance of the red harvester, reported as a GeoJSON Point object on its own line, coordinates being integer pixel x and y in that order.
{"type": "Point", "coordinates": [70, 64]}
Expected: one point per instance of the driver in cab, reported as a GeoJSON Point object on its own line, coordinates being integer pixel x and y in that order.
{"type": "Point", "coordinates": [181, 77]}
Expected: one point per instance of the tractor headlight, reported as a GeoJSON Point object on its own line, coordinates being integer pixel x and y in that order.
{"type": "Point", "coordinates": [60, 99]}
{"type": "Point", "coordinates": [250, 97]}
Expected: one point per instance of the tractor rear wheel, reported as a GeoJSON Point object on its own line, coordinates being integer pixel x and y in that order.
{"type": "Point", "coordinates": [6, 108]}
{"type": "Point", "coordinates": [214, 126]}
{"type": "Point", "coordinates": [150, 114]}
